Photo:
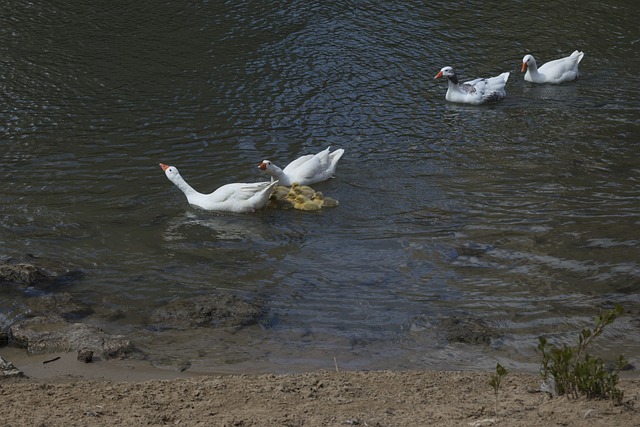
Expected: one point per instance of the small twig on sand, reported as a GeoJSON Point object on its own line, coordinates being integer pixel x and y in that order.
{"type": "Point", "coordinates": [51, 360]}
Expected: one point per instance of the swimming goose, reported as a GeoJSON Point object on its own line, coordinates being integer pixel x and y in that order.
{"type": "Point", "coordinates": [476, 91]}
{"type": "Point", "coordinates": [556, 71]}
{"type": "Point", "coordinates": [305, 170]}
{"type": "Point", "coordinates": [235, 197]}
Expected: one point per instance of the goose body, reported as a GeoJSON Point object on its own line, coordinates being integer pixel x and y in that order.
{"type": "Point", "coordinates": [477, 91]}
{"type": "Point", "coordinates": [235, 197]}
{"type": "Point", "coordinates": [554, 72]}
{"type": "Point", "coordinates": [305, 170]}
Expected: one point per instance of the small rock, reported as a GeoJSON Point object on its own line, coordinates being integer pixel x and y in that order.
{"type": "Point", "coordinates": [483, 422]}
{"type": "Point", "coordinates": [215, 310]}
{"type": "Point", "coordinates": [8, 370]}
{"type": "Point", "coordinates": [85, 355]}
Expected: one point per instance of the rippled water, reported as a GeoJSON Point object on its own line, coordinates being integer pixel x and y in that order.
{"type": "Point", "coordinates": [523, 215]}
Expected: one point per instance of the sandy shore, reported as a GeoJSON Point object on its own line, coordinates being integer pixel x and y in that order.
{"type": "Point", "coordinates": [66, 392]}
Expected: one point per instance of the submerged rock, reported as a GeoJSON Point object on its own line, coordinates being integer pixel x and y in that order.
{"type": "Point", "coordinates": [53, 333]}
{"type": "Point", "coordinates": [23, 274]}
{"type": "Point", "coordinates": [61, 304]}
{"type": "Point", "coordinates": [33, 271]}
{"type": "Point", "coordinates": [44, 319]}
{"type": "Point", "coordinates": [467, 330]}
{"type": "Point", "coordinates": [213, 310]}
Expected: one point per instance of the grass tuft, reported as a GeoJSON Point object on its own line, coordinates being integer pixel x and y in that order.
{"type": "Point", "coordinates": [571, 371]}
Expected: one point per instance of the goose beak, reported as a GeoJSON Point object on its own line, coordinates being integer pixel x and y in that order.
{"type": "Point", "coordinates": [164, 167]}
{"type": "Point", "coordinates": [262, 166]}
{"type": "Point", "coordinates": [524, 67]}
{"type": "Point", "coordinates": [438, 75]}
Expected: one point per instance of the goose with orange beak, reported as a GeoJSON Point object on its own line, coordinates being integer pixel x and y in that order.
{"type": "Point", "coordinates": [477, 91]}
{"type": "Point", "coordinates": [553, 72]}
{"type": "Point", "coordinates": [234, 197]}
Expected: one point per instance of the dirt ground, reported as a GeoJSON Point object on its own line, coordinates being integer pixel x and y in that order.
{"type": "Point", "coordinates": [331, 398]}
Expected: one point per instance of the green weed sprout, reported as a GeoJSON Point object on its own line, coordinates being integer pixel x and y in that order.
{"type": "Point", "coordinates": [496, 381]}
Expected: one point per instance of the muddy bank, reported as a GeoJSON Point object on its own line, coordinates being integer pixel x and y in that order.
{"type": "Point", "coordinates": [314, 399]}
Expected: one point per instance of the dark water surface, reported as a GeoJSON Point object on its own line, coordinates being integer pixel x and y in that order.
{"type": "Point", "coordinates": [522, 216]}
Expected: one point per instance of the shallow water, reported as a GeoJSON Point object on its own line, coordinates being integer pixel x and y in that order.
{"type": "Point", "coordinates": [523, 214]}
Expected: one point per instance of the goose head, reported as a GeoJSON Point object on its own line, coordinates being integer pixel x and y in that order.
{"type": "Point", "coordinates": [449, 73]}
{"type": "Point", "coordinates": [446, 72]}
{"type": "Point", "coordinates": [527, 62]}
{"type": "Point", "coordinates": [266, 164]}
{"type": "Point", "coordinates": [171, 172]}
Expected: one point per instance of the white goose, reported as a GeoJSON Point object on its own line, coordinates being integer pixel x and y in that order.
{"type": "Point", "coordinates": [556, 71]}
{"type": "Point", "coordinates": [476, 91]}
{"type": "Point", "coordinates": [305, 170]}
{"type": "Point", "coordinates": [235, 197]}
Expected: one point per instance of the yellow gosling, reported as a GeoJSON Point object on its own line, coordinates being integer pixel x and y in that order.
{"type": "Point", "coordinates": [307, 191]}
{"type": "Point", "coordinates": [281, 191]}
{"type": "Point", "coordinates": [304, 204]}
{"type": "Point", "coordinates": [326, 202]}
{"type": "Point", "coordinates": [318, 199]}
{"type": "Point", "coordinates": [285, 204]}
